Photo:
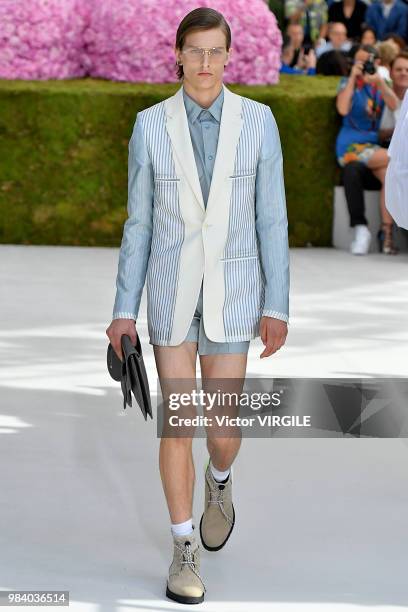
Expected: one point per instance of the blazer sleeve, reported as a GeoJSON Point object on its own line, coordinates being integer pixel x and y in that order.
{"type": "Point", "coordinates": [137, 232]}
{"type": "Point", "coordinates": [272, 223]}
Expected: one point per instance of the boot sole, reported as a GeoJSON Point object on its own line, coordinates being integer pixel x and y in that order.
{"type": "Point", "coordinates": [214, 548]}
{"type": "Point", "coordinates": [185, 599]}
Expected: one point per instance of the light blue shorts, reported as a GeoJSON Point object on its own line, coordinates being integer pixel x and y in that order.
{"type": "Point", "coordinates": [196, 333]}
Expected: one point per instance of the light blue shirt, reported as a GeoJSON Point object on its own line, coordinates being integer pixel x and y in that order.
{"type": "Point", "coordinates": [271, 223]}
{"type": "Point", "coordinates": [204, 125]}
{"type": "Point", "coordinates": [328, 46]}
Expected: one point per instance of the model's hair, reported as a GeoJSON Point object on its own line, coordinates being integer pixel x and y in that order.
{"type": "Point", "coordinates": [201, 18]}
{"type": "Point", "coordinates": [402, 55]}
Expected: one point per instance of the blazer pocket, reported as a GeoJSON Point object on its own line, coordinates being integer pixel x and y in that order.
{"type": "Point", "coordinates": [239, 176]}
{"type": "Point", "coordinates": [239, 258]}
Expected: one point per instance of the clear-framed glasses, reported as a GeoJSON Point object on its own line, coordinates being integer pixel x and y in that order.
{"type": "Point", "coordinates": [196, 54]}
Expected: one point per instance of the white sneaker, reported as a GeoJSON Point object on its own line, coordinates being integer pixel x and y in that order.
{"type": "Point", "coordinates": [361, 241]}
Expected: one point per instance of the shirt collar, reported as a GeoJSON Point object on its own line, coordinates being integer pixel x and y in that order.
{"type": "Point", "coordinates": [193, 109]}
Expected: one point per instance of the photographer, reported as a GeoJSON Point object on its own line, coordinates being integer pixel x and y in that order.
{"type": "Point", "coordinates": [360, 100]}
{"type": "Point", "coordinates": [293, 44]}
{"type": "Point", "coordinates": [306, 63]}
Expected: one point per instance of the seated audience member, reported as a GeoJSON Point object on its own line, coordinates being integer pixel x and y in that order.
{"type": "Point", "coordinates": [368, 36]}
{"type": "Point", "coordinates": [351, 13]}
{"type": "Point", "coordinates": [337, 34]}
{"type": "Point", "coordinates": [387, 50]}
{"type": "Point", "coordinates": [356, 178]}
{"type": "Point", "coordinates": [294, 44]}
{"type": "Point", "coordinates": [333, 63]}
{"type": "Point", "coordinates": [397, 40]}
{"type": "Point", "coordinates": [399, 76]}
{"type": "Point", "coordinates": [306, 62]}
{"type": "Point", "coordinates": [312, 16]}
{"type": "Point", "coordinates": [360, 101]}
{"type": "Point", "coordinates": [388, 17]}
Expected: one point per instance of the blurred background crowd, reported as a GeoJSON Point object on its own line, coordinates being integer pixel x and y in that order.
{"type": "Point", "coordinates": [322, 37]}
{"type": "Point", "coordinates": [366, 44]}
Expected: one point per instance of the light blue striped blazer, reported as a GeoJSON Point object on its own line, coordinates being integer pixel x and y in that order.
{"type": "Point", "coordinates": [237, 245]}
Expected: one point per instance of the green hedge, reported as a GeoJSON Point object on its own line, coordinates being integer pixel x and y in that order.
{"type": "Point", "coordinates": [64, 146]}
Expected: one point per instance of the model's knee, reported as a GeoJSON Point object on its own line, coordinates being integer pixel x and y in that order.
{"type": "Point", "coordinates": [222, 446]}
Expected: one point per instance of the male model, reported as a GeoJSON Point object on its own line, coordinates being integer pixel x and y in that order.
{"type": "Point", "coordinates": [207, 229]}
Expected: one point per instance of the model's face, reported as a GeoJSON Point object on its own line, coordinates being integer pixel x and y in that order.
{"type": "Point", "coordinates": [399, 72]}
{"type": "Point", "coordinates": [338, 35]}
{"type": "Point", "coordinates": [203, 71]}
{"type": "Point", "coordinates": [295, 33]}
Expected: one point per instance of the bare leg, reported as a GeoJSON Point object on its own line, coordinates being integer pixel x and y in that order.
{"type": "Point", "coordinates": [223, 450]}
{"type": "Point", "coordinates": [378, 165]}
{"type": "Point", "coordinates": [385, 215]}
{"type": "Point", "coordinates": [176, 457]}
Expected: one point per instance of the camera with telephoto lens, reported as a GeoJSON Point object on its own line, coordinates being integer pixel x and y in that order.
{"type": "Point", "coordinates": [369, 66]}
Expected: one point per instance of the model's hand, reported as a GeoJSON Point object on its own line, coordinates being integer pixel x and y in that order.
{"type": "Point", "coordinates": [115, 331]}
{"type": "Point", "coordinates": [273, 334]}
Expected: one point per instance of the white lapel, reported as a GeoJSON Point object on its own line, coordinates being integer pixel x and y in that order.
{"type": "Point", "coordinates": [230, 129]}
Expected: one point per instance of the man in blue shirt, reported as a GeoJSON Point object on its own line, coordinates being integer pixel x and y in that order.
{"type": "Point", "coordinates": [388, 17]}
{"type": "Point", "coordinates": [241, 232]}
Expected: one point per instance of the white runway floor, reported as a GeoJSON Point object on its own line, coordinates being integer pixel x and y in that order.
{"type": "Point", "coordinates": [321, 524]}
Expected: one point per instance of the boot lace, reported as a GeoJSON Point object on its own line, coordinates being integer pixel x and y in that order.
{"type": "Point", "coordinates": [188, 558]}
{"type": "Point", "coordinates": [217, 497]}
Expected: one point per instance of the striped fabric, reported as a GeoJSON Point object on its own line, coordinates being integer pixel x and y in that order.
{"type": "Point", "coordinates": [255, 257]}
{"type": "Point", "coordinates": [242, 273]}
{"type": "Point", "coordinates": [168, 228]}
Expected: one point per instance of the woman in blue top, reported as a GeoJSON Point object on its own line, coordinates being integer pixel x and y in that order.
{"type": "Point", "coordinates": [360, 100]}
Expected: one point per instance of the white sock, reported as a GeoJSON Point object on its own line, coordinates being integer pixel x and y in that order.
{"type": "Point", "coordinates": [219, 476]}
{"type": "Point", "coordinates": [181, 529]}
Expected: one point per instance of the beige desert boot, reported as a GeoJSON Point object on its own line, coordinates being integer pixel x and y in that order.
{"type": "Point", "coordinates": [184, 583]}
{"type": "Point", "coordinates": [218, 519]}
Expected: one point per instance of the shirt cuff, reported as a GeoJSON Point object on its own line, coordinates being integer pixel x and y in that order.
{"type": "Point", "coordinates": [276, 315]}
{"type": "Point", "coordinates": [123, 315]}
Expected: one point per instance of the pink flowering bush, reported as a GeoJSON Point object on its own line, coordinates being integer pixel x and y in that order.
{"type": "Point", "coordinates": [133, 40]}
{"type": "Point", "coordinates": [42, 39]}
{"type": "Point", "coordinates": [127, 40]}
